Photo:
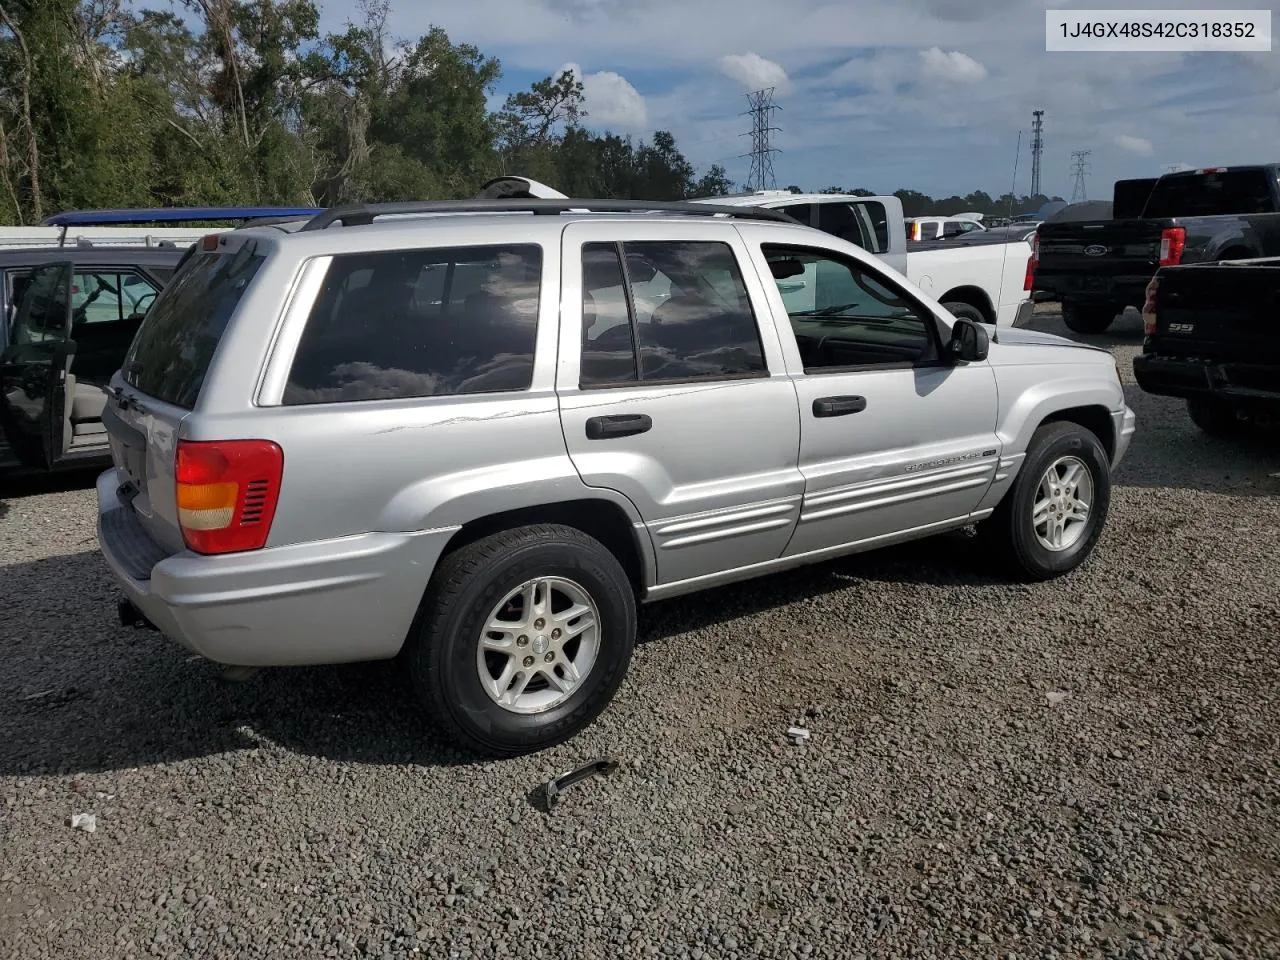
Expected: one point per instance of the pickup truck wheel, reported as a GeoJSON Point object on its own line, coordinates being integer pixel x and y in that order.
{"type": "Point", "coordinates": [1087, 319]}
{"type": "Point", "coordinates": [524, 638]}
{"type": "Point", "coordinates": [1214, 417]}
{"type": "Point", "coordinates": [1049, 522]}
{"type": "Point", "coordinates": [965, 311]}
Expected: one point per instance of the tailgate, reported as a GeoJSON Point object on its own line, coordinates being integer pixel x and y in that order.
{"type": "Point", "coordinates": [160, 381]}
{"type": "Point", "coordinates": [1222, 313]}
{"type": "Point", "coordinates": [144, 440]}
{"type": "Point", "coordinates": [1096, 256]}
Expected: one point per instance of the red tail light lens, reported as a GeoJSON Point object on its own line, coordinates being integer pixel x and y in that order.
{"type": "Point", "coordinates": [1029, 280]}
{"type": "Point", "coordinates": [1173, 241]}
{"type": "Point", "coordinates": [227, 493]}
{"type": "Point", "coordinates": [1149, 308]}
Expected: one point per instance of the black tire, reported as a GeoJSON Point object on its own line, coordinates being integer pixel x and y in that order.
{"type": "Point", "coordinates": [1214, 417]}
{"type": "Point", "coordinates": [468, 584]}
{"type": "Point", "coordinates": [965, 311]}
{"type": "Point", "coordinates": [1010, 532]}
{"type": "Point", "coordinates": [1087, 319]}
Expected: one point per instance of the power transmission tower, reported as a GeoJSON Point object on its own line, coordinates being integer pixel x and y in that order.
{"type": "Point", "coordinates": [761, 176]}
{"type": "Point", "coordinates": [1079, 168]}
{"type": "Point", "coordinates": [1037, 148]}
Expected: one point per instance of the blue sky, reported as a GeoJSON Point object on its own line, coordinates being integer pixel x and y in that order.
{"type": "Point", "coordinates": [924, 94]}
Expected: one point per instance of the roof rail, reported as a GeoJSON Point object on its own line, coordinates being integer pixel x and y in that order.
{"type": "Point", "coordinates": [363, 214]}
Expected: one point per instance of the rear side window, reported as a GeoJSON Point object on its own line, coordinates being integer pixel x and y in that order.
{"type": "Point", "coordinates": [420, 323]}
{"type": "Point", "coordinates": [1211, 195]}
{"type": "Point", "coordinates": [680, 311]}
{"type": "Point", "coordinates": [864, 224]}
{"type": "Point", "coordinates": [174, 346]}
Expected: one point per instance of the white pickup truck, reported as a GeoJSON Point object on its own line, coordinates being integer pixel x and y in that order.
{"type": "Point", "coordinates": [986, 282]}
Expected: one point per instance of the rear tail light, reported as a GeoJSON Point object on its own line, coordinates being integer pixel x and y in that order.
{"type": "Point", "coordinates": [1149, 308]}
{"type": "Point", "coordinates": [1173, 241]}
{"type": "Point", "coordinates": [209, 241]}
{"type": "Point", "coordinates": [227, 493]}
{"type": "Point", "coordinates": [1029, 280]}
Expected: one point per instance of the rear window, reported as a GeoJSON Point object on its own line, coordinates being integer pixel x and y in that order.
{"type": "Point", "coordinates": [174, 346]}
{"type": "Point", "coordinates": [1211, 195]}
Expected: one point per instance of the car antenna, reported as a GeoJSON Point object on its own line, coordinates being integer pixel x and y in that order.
{"type": "Point", "coordinates": [1004, 261]}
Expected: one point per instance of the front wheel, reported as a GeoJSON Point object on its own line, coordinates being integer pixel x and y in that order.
{"type": "Point", "coordinates": [525, 637]}
{"type": "Point", "coordinates": [1050, 520]}
{"type": "Point", "coordinates": [1087, 319]}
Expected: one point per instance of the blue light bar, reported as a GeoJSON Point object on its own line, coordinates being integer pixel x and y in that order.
{"type": "Point", "coordinates": [81, 218]}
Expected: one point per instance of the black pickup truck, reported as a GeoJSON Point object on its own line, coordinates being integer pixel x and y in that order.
{"type": "Point", "coordinates": [1097, 268]}
{"type": "Point", "coordinates": [1213, 338]}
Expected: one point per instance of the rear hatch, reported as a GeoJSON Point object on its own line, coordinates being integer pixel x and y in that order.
{"type": "Point", "coordinates": [1223, 314]}
{"type": "Point", "coordinates": [160, 380]}
{"type": "Point", "coordinates": [1096, 257]}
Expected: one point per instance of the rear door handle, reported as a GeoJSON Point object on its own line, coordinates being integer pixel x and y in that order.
{"type": "Point", "coordinates": [618, 425]}
{"type": "Point", "coordinates": [838, 406]}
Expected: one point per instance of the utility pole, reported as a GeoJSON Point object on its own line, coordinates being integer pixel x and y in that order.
{"type": "Point", "coordinates": [761, 176]}
{"type": "Point", "coordinates": [1079, 168]}
{"type": "Point", "coordinates": [1037, 148]}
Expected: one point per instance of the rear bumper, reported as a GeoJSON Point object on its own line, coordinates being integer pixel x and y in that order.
{"type": "Point", "coordinates": [1242, 384]}
{"type": "Point", "coordinates": [1092, 291]}
{"type": "Point", "coordinates": [330, 601]}
{"type": "Point", "coordinates": [1021, 313]}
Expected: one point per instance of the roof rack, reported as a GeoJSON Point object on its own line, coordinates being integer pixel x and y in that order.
{"type": "Point", "coordinates": [365, 213]}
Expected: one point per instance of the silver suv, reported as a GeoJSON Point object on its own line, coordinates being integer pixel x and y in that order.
{"type": "Point", "coordinates": [478, 433]}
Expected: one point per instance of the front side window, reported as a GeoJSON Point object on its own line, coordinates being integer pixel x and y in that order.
{"type": "Point", "coordinates": [420, 323]}
{"type": "Point", "coordinates": [678, 311]}
{"type": "Point", "coordinates": [844, 315]}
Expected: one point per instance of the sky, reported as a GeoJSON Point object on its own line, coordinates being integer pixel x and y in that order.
{"type": "Point", "coordinates": [929, 95]}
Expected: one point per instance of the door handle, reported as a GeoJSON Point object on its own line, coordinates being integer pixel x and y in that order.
{"type": "Point", "coordinates": [618, 425]}
{"type": "Point", "coordinates": [838, 406]}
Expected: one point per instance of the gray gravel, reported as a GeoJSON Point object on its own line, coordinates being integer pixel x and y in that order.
{"type": "Point", "coordinates": [1087, 768]}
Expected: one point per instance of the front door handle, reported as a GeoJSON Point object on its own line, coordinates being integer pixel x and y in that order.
{"type": "Point", "coordinates": [838, 406]}
{"type": "Point", "coordinates": [618, 425]}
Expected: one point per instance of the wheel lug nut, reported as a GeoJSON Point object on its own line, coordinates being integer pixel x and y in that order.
{"type": "Point", "coordinates": [528, 661]}
{"type": "Point", "coordinates": [549, 657]}
{"type": "Point", "coordinates": [539, 624]}
{"type": "Point", "coordinates": [522, 641]}
{"type": "Point", "coordinates": [555, 634]}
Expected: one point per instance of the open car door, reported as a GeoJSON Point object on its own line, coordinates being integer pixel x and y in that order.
{"type": "Point", "coordinates": [34, 370]}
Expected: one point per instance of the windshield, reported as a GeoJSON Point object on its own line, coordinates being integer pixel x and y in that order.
{"type": "Point", "coordinates": [174, 347]}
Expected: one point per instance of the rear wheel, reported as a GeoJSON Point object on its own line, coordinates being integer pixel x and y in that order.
{"type": "Point", "coordinates": [965, 311]}
{"type": "Point", "coordinates": [525, 637]}
{"type": "Point", "coordinates": [1087, 319]}
{"type": "Point", "coordinates": [1051, 519]}
{"type": "Point", "coordinates": [1213, 416]}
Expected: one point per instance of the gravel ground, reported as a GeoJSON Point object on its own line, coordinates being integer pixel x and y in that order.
{"type": "Point", "coordinates": [1086, 768]}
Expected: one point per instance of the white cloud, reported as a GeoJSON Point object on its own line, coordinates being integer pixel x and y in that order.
{"type": "Point", "coordinates": [611, 101]}
{"type": "Point", "coordinates": [755, 72]}
{"type": "Point", "coordinates": [952, 66]}
{"type": "Point", "coordinates": [1136, 145]}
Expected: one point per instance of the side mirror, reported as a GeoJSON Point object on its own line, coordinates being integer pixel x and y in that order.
{"type": "Point", "coordinates": [969, 342]}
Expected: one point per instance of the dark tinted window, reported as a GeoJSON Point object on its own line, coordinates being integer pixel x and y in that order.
{"type": "Point", "coordinates": [845, 315]}
{"type": "Point", "coordinates": [838, 220]}
{"type": "Point", "coordinates": [42, 311]}
{"type": "Point", "coordinates": [420, 323]}
{"type": "Point", "coordinates": [686, 308]}
{"type": "Point", "coordinates": [800, 211]}
{"type": "Point", "coordinates": [174, 346]}
{"type": "Point", "coordinates": [1211, 194]}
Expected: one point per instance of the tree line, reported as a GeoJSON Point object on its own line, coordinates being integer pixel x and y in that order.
{"type": "Point", "coordinates": [228, 102]}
